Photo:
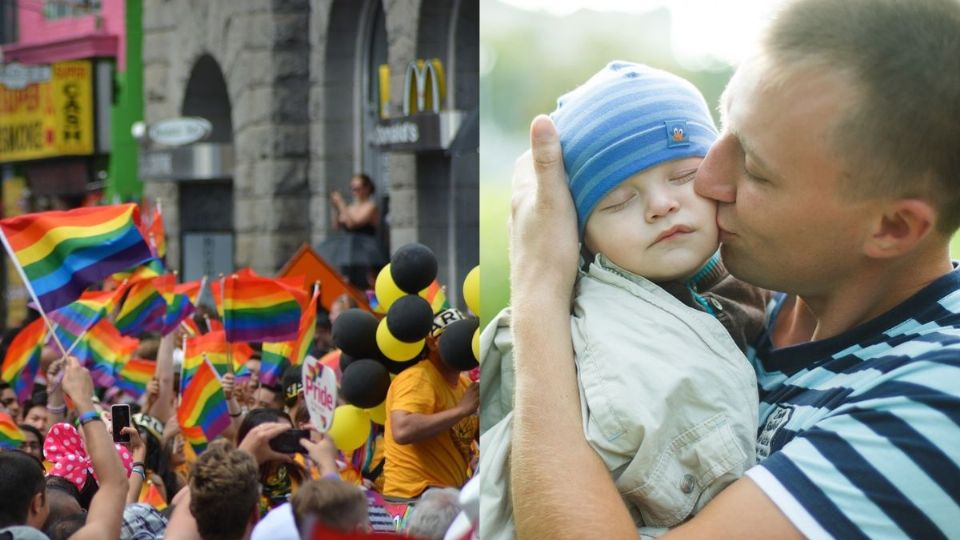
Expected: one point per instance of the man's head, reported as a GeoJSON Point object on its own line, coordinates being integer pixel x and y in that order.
{"type": "Point", "coordinates": [434, 512]}
{"type": "Point", "coordinates": [37, 416]}
{"type": "Point", "coordinates": [223, 492]}
{"type": "Point", "coordinates": [9, 401]}
{"type": "Point", "coordinates": [840, 143]}
{"type": "Point", "coordinates": [632, 138]}
{"type": "Point", "coordinates": [62, 499]}
{"type": "Point", "coordinates": [268, 397]}
{"type": "Point", "coordinates": [335, 504]}
{"type": "Point", "coordinates": [23, 500]}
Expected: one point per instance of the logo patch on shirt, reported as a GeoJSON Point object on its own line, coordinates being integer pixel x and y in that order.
{"type": "Point", "coordinates": [677, 134]}
{"type": "Point", "coordinates": [777, 419]}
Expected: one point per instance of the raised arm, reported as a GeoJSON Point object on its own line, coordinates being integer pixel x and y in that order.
{"type": "Point", "coordinates": [409, 428]}
{"type": "Point", "coordinates": [548, 441]}
{"type": "Point", "coordinates": [106, 507]}
{"type": "Point", "coordinates": [162, 408]}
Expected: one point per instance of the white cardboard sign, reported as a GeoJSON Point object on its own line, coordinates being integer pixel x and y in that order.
{"type": "Point", "coordinates": [319, 392]}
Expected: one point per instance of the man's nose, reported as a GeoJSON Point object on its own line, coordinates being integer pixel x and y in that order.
{"type": "Point", "coordinates": [716, 177]}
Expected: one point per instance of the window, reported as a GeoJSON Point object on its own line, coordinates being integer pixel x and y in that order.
{"type": "Point", "coordinates": [58, 9]}
{"type": "Point", "coordinates": [8, 21]}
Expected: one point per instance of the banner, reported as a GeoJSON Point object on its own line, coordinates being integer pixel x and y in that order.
{"type": "Point", "coordinates": [319, 392]}
{"type": "Point", "coordinates": [46, 111]}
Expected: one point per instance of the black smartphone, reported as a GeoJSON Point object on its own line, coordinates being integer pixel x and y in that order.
{"type": "Point", "coordinates": [121, 419]}
{"type": "Point", "coordinates": [288, 442]}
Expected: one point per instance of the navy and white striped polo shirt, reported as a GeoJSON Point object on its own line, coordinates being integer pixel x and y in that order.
{"type": "Point", "coordinates": [860, 433]}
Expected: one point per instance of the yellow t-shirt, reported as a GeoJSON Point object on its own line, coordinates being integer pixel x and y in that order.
{"type": "Point", "coordinates": [439, 461]}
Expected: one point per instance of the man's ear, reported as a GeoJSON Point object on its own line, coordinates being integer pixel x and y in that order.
{"type": "Point", "coordinates": [902, 225]}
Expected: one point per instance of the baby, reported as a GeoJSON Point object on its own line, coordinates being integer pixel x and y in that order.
{"type": "Point", "coordinates": [668, 400]}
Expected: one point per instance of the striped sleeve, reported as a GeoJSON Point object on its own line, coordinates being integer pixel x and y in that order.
{"type": "Point", "coordinates": [883, 464]}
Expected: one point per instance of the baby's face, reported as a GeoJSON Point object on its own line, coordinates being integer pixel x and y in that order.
{"type": "Point", "coordinates": [654, 225]}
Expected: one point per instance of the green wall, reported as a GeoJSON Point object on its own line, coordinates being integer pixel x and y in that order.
{"type": "Point", "coordinates": [123, 184]}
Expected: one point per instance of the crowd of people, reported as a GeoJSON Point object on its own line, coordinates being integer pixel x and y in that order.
{"type": "Point", "coordinates": [63, 475]}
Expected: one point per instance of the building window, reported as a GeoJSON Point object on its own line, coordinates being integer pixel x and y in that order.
{"type": "Point", "coordinates": [8, 21]}
{"type": "Point", "coordinates": [58, 9]}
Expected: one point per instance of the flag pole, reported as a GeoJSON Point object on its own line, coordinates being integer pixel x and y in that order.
{"type": "Point", "coordinates": [33, 294]}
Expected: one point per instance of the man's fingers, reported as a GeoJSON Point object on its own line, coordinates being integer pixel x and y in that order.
{"type": "Point", "coordinates": [545, 146]}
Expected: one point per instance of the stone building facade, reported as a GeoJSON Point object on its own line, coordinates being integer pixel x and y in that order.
{"type": "Point", "coordinates": [299, 94]}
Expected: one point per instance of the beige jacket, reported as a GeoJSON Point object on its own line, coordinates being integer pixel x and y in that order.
{"type": "Point", "coordinates": [668, 402]}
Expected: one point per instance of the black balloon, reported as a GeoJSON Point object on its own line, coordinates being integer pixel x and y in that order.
{"type": "Point", "coordinates": [345, 360]}
{"type": "Point", "coordinates": [355, 333]}
{"type": "Point", "coordinates": [413, 267]}
{"type": "Point", "coordinates": [396, 367]}
{"type": "Point", "coordinates": [456, 347]}
{"type": "Point", "coordinates": [410, 318]}
{"type": "Point", "coordinates": [365, 383]}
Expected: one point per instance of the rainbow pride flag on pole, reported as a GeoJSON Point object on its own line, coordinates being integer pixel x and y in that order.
{"type": "Point", "coordinates": [144, 307]}
{"type": "Point", "coordinates": [10, 434]}
{"type": "Point", "coordinates": [22, 361]}
{"type": "Point", "coordinates": [105, 350]}
{"type": "Point", "coordinates": [76, 318]}
{"type": "Point", "coordinates": [134, 376]}
{"type": "Point", "coordinates": [306, 332]}
{"type": "Point", "coordinates": [211, 345]}
{"type": "Point", "coordinates": [203, 413]}
{"type": "Point", "coordinates": [156, 234]}
{"type": "Point", "coordinates": [181, 302]}
{"type": "Point", "coordinates": [60, 254]}
{"type": "Point", "coordinates": [274, 359]}
{"type": "Point", "coordinates": [259, 309]}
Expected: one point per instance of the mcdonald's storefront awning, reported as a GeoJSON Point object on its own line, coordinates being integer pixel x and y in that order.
{"type": "Point", "coordinates": [421, 132]}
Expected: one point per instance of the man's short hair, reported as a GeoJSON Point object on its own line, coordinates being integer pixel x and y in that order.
{"type": "Point", "coordinates": [902, 137]}
{"type": "Point", "coordinates": [21, 477]}
{"type": "Point", "coordinates": [335, 504]}
{"type": "Point", "coordinates": [434, 513]}
{"type": "Point", "coordinates": [224, 488]}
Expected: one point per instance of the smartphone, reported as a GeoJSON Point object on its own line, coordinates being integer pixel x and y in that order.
{"type": "Point", "coordinates": [288, 442]}
{"type": "Point", "coordinates": [121, 419]}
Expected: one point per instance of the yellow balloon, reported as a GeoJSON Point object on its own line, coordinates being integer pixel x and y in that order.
{"type": "Point", "coordinates": [475, 343]}
{"type": "Point", "coordinates": [350, 428]}
{"type": "Point", "coordinates": [386, 290]}
{"type": "Point", "coordinates": [471, 290]}
{"type": "Point", "coordinates": [393, 348]}
{"type": "Point", "coordinates": [379, 413]}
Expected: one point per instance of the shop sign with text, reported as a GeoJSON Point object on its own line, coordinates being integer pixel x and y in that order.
{"type": "Point", "coordinates": [46, 111]}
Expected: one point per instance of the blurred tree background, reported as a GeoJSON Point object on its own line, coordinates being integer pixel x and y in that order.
{"type": "Point", "coordinates": [533, 51]}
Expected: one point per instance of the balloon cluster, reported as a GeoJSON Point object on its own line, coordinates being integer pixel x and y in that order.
{"type": "Point", "coordinates": [370, 349]}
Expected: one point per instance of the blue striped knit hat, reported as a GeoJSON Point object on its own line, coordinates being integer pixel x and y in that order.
{"type": "Point", "coordinates": [624, 120]}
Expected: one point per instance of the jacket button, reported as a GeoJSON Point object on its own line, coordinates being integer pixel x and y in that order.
{"type": "Point", "coordinates": [716, 304]}
{"type": "Point", "coordinates": [687, 485]}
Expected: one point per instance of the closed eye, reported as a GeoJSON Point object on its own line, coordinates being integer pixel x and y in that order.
{"type": "Point", "coordinates": [684, 177]}
{"type": "Point", "coordinates": [621, 204]}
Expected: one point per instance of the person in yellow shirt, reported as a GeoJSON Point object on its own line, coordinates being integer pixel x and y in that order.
{"type": "Point", "coordinates": [431, 423]}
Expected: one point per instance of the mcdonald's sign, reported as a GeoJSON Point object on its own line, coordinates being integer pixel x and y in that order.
{"type": "Point", "coordinates": [424, 88]}
{"type": "Point", "coordinates": [423, 125]}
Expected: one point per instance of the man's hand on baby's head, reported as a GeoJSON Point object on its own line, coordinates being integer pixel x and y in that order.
{"type": "Point", "coordinates": [543, 230]}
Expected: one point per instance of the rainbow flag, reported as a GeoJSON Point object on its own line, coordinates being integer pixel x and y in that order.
{"type": "Point", "coordinates": [156, 235]}
{"type": "Point", "coordinates": [10, 434]}
{"type": "Point", "coordinates": [191, 327]}
{"type": "Point", "coordinates": [22, 361]}
{"type": "Point", "coordinates": [63, 253]}
{"type": "Point", "coordinates": [240, 352]}
{"type": "Point", "coordinates": [203, 413]}
{"type": "Point", "coordinates": [274, 359]}
{"type": "Point", "coordinates": [76, 318]}
{"type": "Point", "coordinates": [181, 302]}
{"type": "Point", "coordinates": [134, 376]}
{"type": "Point", "coordinates": [306, 332]}
{"type": "Point", "coordinates": [436, 296]}
{"type": "Point", "coordinates": [213, 345]}
{"type": "Point", "coordinates": [106, 351]}
{"type": "Point", "coordinates": [149, 494]}
{"type": "Point", "coordinates": [259, 309]}
{"type": "Point", "coordinates": [144, 307]}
